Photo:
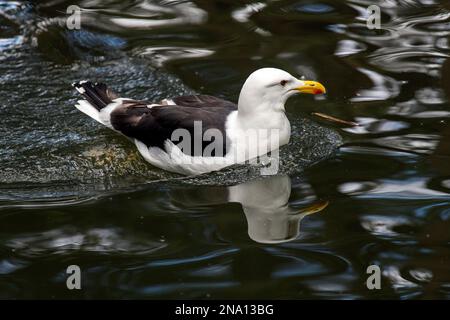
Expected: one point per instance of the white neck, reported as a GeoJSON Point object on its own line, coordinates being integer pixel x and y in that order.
{"type": "Point", "coordinates": [252, 102]}
{"type": "Point", "coordinates": [270, 126]}
{"type": "Point", "coordinates": [261, 112]}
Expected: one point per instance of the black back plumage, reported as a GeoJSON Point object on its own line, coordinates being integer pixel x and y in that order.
{"type": "Point", "coordinates": [153, 126]}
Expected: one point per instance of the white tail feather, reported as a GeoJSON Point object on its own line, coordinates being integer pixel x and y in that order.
{"type": "Point", "coordinates": [103, 116]}
{"type": "Point", "coordinates": [88, 109]}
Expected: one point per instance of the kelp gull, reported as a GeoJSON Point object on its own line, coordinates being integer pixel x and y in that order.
{"type": "Point", "coordinates": [220, 133]}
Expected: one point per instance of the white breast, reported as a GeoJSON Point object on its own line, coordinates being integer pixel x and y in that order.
{"type": "Point", "coordinates": [256, 136]}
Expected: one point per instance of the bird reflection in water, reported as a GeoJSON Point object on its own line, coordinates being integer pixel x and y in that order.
{"type": "Point", "coordinates": [265, 203]}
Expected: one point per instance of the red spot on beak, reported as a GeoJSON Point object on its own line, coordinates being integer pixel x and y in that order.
{"type": "Point", "coordinates": [317, 91]}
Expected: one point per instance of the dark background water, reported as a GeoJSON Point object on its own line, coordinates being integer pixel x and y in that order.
{"type": "Point", "coordinates": [72, 192]}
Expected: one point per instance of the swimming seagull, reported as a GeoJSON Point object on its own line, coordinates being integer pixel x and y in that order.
{"type": "Point", "coordinates": [200, 133]}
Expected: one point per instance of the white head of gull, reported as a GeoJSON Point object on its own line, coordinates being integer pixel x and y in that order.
{"type": "Point", "coordinates": [267, 90]}
{"type": "Point", "coordinates": [228, 133]}
{"type": "Point", "coordinates": [261, 107]}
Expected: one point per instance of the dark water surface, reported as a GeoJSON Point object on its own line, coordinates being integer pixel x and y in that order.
{"type": "Point", "coordinates": [72, 192]}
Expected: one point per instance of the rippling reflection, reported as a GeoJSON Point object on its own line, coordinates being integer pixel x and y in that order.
{"type": "Point", "coordinates": [87, 197]}
{"type": "Point", "coordinates": [265, 203]}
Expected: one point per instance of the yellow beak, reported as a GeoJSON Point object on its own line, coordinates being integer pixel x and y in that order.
{"type": "Point", "coordinates": [315, 207]}
{"type": "Point", "coordinates": [311, 87]}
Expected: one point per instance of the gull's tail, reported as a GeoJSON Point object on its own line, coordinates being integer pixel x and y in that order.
{"type": "Point", "coordinates": [97, 96]}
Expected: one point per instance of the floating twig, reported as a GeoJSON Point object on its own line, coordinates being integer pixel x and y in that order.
{"type": "Point", "coordinates": [336, 120]}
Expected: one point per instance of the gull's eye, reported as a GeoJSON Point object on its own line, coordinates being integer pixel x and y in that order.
{"type": "Point", "coordinates": [283, 82]}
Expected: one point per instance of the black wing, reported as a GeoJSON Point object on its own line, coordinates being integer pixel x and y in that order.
{"type": "Point", "coordinates": [203, 102]}
{"type": "Point", "coordinates": [153, 126]}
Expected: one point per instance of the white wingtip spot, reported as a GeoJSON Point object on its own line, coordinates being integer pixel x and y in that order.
{"type": "Point", "coordinates": [168, 102]}
{"type": "Point", "coordinates": [80, 90]}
